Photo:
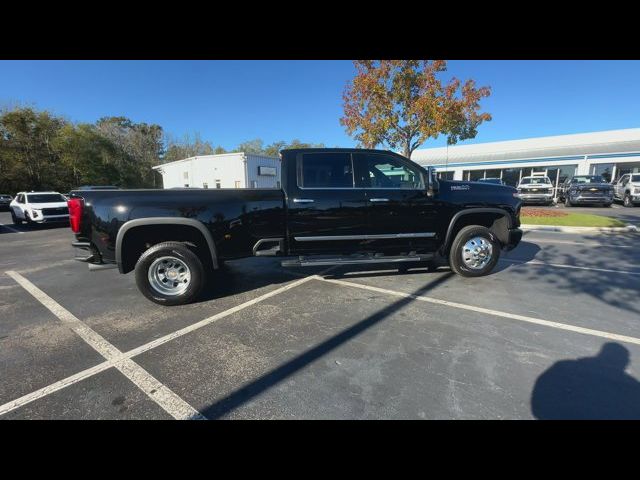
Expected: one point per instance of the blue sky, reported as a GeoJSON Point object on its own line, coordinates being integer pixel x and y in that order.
{"type": "Point", "coordinates": [228, 102]}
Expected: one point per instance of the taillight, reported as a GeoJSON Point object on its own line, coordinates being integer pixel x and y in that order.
{"type": "Point", "coordinates": [75, 213]}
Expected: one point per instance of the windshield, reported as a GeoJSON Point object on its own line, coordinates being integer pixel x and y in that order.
{"type": "Point", "coordinates": [588, 179]}
{"type": "Point", "coordinates": [45, 198]}
{"type": "Point", "coordinates": [535, 180]}
{"type": "Point", "coordinates": [635, 178]}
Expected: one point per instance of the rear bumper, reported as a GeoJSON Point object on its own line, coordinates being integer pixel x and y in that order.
{"type": "Point", "coordinates": [515, 235]}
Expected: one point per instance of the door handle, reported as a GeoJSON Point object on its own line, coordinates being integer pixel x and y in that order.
{"type": "Point", "coordinates": [303, 200]}
{"type": "Point", "coordinates": [378, 200]}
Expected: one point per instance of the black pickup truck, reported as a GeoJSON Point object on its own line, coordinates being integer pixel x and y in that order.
{"type": "Point", "coordinates": [336, 206]}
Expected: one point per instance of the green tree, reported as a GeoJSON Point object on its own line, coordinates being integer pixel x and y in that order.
{"type": "Point", "coordinates": [403, 103]}
{"type": "Point", "coordinates": [188, 147]}
{"type": "Point", "coordinates": [27, 150]}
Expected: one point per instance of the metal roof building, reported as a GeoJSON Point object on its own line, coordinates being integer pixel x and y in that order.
{"type": "Point", "coordinates": [609, 153]}
{"type": "Point", "coordinates": [227, 170]}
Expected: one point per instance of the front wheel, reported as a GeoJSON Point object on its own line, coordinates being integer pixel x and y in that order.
{"type": "Point", "coordinates": [474, 252]}
{"type": "Point", "coordinates": [170, 274]}
{"type": "Point", "coordinates": [16, 220]}
{"type": "Point", "coordinates": [627, 202]}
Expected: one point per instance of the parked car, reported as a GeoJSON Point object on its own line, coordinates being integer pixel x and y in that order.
{"type": "Point", "coordinates": [336, 207]}
{"type": "Point", "coordinates": [496, 180]}
{"type": "Point", "coordinates": [627, 189]}
{"type": "Point", "coordinates": [5, 201]}
{"type": "Point", "coordinates": [535, 189]}
{"type": "Point", "coordinates": [39, 207]}
{"type": "Point", "coordinates": [585, 189]}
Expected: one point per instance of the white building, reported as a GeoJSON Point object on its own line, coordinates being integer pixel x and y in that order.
{"type": "Point", "coordinates": [610, 154]}
{"type": "Point", "coordinates": [228, 170]}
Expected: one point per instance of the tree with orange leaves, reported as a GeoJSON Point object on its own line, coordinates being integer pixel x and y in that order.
{"type": "Point", "coordinates": [403, 103]}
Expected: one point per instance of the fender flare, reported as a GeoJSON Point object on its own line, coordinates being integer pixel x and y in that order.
{"type": "Point", "coordinates": [139, 222]}
{"type": "Point", "coordinates": [469, 211]}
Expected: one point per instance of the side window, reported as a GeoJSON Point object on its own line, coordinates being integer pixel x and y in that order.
{"type": "Point", "coordinates": [385, 171]}
{"type": "Point", "coordinates": [624, 180]}
{"type": "Point", "coordinates": [325, 170]}
{"type": "Point", "coordinates": [20, 198]}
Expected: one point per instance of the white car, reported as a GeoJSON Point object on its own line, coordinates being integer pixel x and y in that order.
{"type": "Point", "coordinates": [39, 207]}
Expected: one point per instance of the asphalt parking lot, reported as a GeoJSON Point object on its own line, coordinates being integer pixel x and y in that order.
{"type": "Point", "coordinates": [554, 332]}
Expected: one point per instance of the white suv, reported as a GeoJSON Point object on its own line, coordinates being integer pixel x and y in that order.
{"type": "Point", "coordinates": [39, 207]}
{"type": "Point", "coordinates": [627, 189]}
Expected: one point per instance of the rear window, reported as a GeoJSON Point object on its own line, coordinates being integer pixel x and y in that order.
{"type": "Point", "coordinates": [325, 170]}
{"type": "Point", "coordinates": [45, 198]}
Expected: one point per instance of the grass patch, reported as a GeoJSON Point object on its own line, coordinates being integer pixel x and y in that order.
{"type": "Point", "coordinates": [573, 220]}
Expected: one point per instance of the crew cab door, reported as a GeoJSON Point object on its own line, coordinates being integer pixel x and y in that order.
{"type": "Point", "coordinates": [401, 215]}
{"type": "Point", "coordinates": [326, 213]}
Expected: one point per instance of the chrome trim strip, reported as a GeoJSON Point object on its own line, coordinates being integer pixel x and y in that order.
{"type": "Point", "coordinates": [365, 237]}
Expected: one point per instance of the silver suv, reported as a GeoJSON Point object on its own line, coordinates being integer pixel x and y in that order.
{"type": "Point", "coordinates": [627, 189]}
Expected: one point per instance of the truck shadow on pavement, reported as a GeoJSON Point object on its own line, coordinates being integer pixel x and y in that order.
{"type": "Point", "coordinates": [243, 395]}
{"type": "Point", "coordinates": [588, 388]}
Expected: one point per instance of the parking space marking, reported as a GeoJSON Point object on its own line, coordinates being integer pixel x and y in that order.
{"type": "Point", "coordinates": [61, 263]}
{"type": "Point", "coordinates": [568, 242]}
{"type": "Point", "coordinates": [159, 393]}
{"type": "Point", "coordinates": [561, 265]}
{"type": "Point", "coordinates": [54, 387]}
{"type": "Point", "coordinates": [10, 229]}
{"type": "Point", "coordinates": [495, 313]}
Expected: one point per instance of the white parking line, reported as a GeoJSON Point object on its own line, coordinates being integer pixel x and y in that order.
{"type": "Point", "coordinates": [495, 313]}
{"type": "Point", "coordinates": [568, 242]}
{"type": "Point", "coordinates": [113, 362]}
{"type": "Point", "coordinates": [10, 229]}
{"type": "Point", "coordinates": [159, 393]}
{"type": "Point", "coordinates": [561, 265]}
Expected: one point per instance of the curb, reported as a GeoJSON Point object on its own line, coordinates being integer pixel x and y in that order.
{"type": "Point", "coordinates": [558, 228]}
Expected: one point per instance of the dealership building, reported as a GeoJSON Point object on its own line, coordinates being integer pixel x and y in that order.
{"type": "Point", "coordinates": [609, 153]}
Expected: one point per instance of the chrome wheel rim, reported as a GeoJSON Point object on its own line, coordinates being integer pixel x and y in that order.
{"type": "Point", "coordinates": [169, 276]}
{"type": "Point", "coordinates": [477, 253]}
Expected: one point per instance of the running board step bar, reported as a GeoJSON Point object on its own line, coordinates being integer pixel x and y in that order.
{"type": "Point", "coordinates": [310, 262]}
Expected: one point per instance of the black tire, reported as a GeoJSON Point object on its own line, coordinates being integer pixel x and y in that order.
{"type": "Point", "coordinates": [16, 220]}
{"type": "Point", "coordinates": [184, 254]}
{"type": "Point", "coordinates": [627, 202]}
{"type": "Point", "coordinates": [456, 252]}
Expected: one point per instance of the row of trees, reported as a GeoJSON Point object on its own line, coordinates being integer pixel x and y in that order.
{"type": "Point", "coordinates": [397, 103]}
{"type": "Point", "coordinates": [42, 151]}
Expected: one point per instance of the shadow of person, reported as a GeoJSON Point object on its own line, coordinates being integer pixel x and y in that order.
{"type": "Point", "coordinates": [588, 388]}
